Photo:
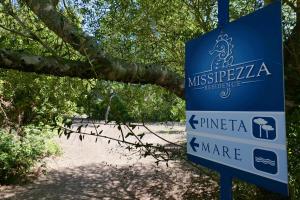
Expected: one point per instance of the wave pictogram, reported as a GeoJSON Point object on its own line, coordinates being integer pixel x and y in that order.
{"type": "Point", "coordinates": [265, 161]}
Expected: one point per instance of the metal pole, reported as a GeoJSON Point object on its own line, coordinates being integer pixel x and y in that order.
{"type": "Point", "coordinates": [226, 186]}
{"type": "Point", "coordinates": [226, 178]}
{"type": "Point", "coordinates": [223, 12]}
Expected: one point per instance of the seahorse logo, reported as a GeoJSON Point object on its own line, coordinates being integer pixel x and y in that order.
{"type": "Point", "coordinates": [222, 52]}
{"type": "Point", "coordinates": [222, 57]}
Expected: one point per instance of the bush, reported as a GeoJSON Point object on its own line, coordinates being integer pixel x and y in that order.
{"type": "Point", "coordinates": [19, 154]}
{"type": "Point", "coordinates": [293, 125]}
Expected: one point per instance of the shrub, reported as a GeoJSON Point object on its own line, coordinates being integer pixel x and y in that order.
{"type": "Point", "coordinates": [19, 154]}
{"type": "Point", "coordinates": [293, 124]}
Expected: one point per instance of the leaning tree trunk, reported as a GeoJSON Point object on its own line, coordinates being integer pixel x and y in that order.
{"type": "Point", "coordinates": [105, 66]}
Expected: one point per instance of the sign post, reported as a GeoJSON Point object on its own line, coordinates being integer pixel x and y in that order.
{"type": "Point", "coordinates": [226, 186]}
{"type": "Point", "coordinates": [235, 100]}
{"type": "Point", "coordinates": [225, 178]}
{"type": "Point", "coordinates": [223, 12]}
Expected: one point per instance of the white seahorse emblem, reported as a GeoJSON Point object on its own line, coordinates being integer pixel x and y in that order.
{"type": "Point", "coordinates": [222, 52]}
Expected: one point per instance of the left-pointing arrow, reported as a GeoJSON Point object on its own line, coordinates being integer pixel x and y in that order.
{"type": "Point", "coordinates": [194, 144]}
{"type": "Point", "coordinates": [192, 121]}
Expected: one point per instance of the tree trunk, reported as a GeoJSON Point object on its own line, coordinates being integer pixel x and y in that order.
{"type": "Point", "coordinates": [106, 67]}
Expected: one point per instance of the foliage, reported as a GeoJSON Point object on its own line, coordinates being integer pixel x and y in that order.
{"type": "Point", "coordinates": [32, 99]}
{"type": "Point", "coordinates": [19, 154]}
{"type": "Point", "coordinates": [131, 103]}
{"type": "Point", "coordinates": [294, 153]}
{"type": "Point", "coordinates": [29, 104]}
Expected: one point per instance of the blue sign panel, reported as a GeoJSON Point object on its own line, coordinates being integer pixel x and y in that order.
{"type": "Point", "coordinates": [242, 62]}
{"type": "Point", "coordinates": [235, 99]}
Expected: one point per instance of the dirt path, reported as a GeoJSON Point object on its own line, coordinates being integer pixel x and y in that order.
{"type": "Point", "coordinates": [89, 170]}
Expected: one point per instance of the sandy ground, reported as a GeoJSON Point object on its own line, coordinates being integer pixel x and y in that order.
{"type": "Point", "coordinates": [89, 170]}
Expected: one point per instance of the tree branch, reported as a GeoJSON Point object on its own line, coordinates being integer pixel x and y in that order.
{"type": "Point", "coordinates": [19, 60]}
{"type": "Point", "coordinates": [108, 67]}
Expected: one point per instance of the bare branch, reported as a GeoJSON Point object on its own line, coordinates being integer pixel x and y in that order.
{"type": "Point", "coordinates": [161, 137]}
{"type": "Point", "coordinates": [150, 149]}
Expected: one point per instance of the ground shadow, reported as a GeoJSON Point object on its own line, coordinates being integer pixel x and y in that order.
{"type": "Point", "coordinates": [100, 181]}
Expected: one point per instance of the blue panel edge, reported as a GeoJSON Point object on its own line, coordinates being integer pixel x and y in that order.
{"type": "Point", "coordinates": [272, 185]}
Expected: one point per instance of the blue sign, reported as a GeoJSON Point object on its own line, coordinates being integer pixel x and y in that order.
{"type": "Point", "coordinates": [235, 99]}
